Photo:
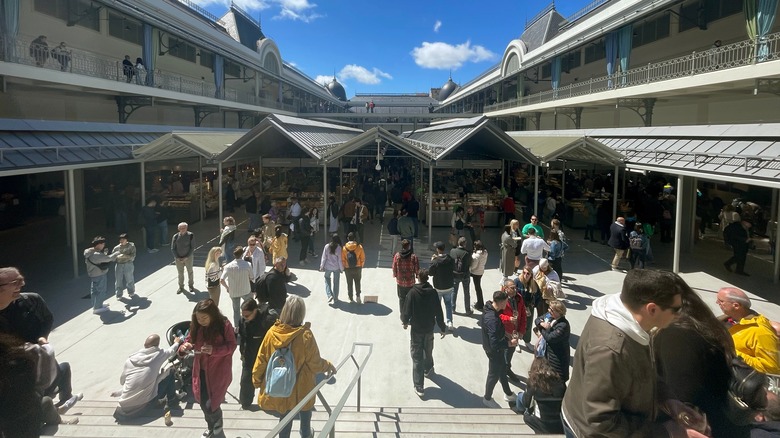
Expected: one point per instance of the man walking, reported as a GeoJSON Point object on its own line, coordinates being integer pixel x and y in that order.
{"type": "Point", "coordinates": [406, 228]}
{"type": "Point", "coordinates": [358, 218]}
{"type": "Point", "coordinates": [253, 253]}
{"type": "Point", "coordinates": [182, 247]}
{"type": "Point", "coordinates": [533, 247]}
{"type": "Point", "coordinates": [441, 269]}
{"type": "Point", "coordinates": [237, 280]}
{"type": "Point", "coordinates": [273, 288]}
{"type": "Point", "coordinates": [495, 344]}
{"type": "Point", "coordinates": [353, 257]}
{"type": "Point", "coordinates": [422, 311]}
{"type": "Point", "coordinates": [405, 267]}
{"type": "Point", "coordinates": [618, 240]}
{"type": "Point", "coordinates": [460, 275]}
{"type": "Point", "coordinates": [737, 234]}
{"type": "Point", "coordinates": [98, 263]}
{"type": "Point", "coordinates": [123, 271]}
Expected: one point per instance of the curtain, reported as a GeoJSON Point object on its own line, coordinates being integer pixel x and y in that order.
{"type": "Point", "coordinates": [610, 42]}
{"type": "Point", "coordinates": [625, 40]}
{"type": "Point", "coordinates": [556, 75]}
{"type": "Point", "coordinates": [219, 75]}
{"type": "Point", "coordinates": [759, 19]}
{"type": "Point", "coordinates": [10, 28]}
{"type": "Point", "coordinates": [148, 53]}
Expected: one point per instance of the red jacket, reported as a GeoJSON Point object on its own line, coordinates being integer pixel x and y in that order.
{"type": "Point", "coordinates": [508, 205]}
{"type": "Point", "coordinates": [405, 269]}
{"type": "Point", "coordinates": [218, 365]}
{"type": "Point", "coordinates": [506, 316]}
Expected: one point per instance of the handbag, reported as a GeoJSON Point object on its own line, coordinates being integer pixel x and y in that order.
{"type": "Point", "coordinates": [746, 394]}
{"type": "Point", "coordinates": [453, 239]}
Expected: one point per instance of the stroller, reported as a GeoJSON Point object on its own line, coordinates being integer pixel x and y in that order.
{"type": "Point", "coordinates": [182, 365]}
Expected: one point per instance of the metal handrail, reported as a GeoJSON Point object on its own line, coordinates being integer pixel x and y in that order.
{"type": "Point", "coordinates": [329, 428]}
{"type": "Point", "coordinates": [726, 57]}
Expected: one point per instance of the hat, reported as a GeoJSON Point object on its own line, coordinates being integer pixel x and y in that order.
{"type": "Point", "coordinates": [98, 240]}
{"type": "Point", "coordinates": [543, 264]}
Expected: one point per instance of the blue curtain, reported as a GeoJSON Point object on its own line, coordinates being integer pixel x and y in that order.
{"type": "Point", "coordinates": [148, 54]}
{"type": "Point", "coordinates": [611, 43]}
{"type": "Point", "coordinates": [10, 27]}
{"type": "Point", "coordinates": [765, 19]}
{"type": "Point", "coordinates": [625, 40]}
{"type": "Point", "coordinates": [556, 74]}
{"type": "Point", "coordinates": [219, 75]}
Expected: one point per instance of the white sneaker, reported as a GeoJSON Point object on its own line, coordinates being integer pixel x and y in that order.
{"type": "Point", "coordinates": [101, 310]}
{"type": "Point", "coordinates": [450, 327]}
{"type": "Point", "coordinates": [510, 397]}
{"type": "Point", "coordinates": [70, 403]}
{"type": "Point", "coordinates": [358, 300]}
{"type": "Point", "coordinates": [488, 402]}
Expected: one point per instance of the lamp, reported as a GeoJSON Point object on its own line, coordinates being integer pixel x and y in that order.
{"type": "Point", "coordinates": [378, 154]}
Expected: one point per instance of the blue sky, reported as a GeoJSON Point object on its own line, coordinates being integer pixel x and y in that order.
{"type": "Point", "coordinates": [400, 46]}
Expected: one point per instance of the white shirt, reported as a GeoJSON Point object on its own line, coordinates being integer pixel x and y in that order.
{"type": "Point", "coordinates": [238, 275]}
{"type": "Point", "coordinates": [258, 261]}
{"type": "Point", "coordinates": [534, 248]}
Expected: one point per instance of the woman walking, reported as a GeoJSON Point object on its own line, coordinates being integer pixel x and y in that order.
{"type": "Point", "coordinates": [290, 332]}
{"type": "Point", "coordinates": [508, 245]}
{"type": "Point", "coordinates": [213, 273]}
{"type": "Point", "coordinates": [330, 264]}
{"type": "Point", "coordinates": [556, 252]}
{"type": "Point", "coordinates": [213, 341]}
{"type": "Point", "coordinates": [477, 269]}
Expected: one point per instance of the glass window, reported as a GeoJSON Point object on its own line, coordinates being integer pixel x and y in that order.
{"type": "Point", "coordinates": [595, 51]}
{"type": "Point", "coordinates": [206, 58]}
{"type": "Point", "coordinates": [53, 8]}
{"type": "Point", "coordinates": [232, 69]}
{"type": "Point", "coordinates": [651, 31]}
{"type": "Point", "coordinates": [74, 12]}
{"type": "Point", "coordinates": [125, 28]}
{"type": "Point", "coordinates": [546, 70]}
{"type": "Point", "coordinates": [181, 49]}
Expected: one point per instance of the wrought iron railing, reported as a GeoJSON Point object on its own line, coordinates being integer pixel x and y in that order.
{"type": "Point", "coordinates": [23, 51]}
{"type": "Point", "coordinates": [717, 58]}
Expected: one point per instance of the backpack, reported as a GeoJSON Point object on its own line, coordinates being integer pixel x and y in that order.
{"type": "Point", "coordinates": [392, 226]}
{"type": "Point", "coordinates": [351, 259]}
{"type": "Point", "coordinates": [458, 267]}
{"type": "Point", "coordinates": [635, 242]}
{"type": "Point", "coordinates": [280, 373]}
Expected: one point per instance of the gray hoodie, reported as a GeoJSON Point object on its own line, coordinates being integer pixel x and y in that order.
{"type": "Point", "coordinates": [140, 377]}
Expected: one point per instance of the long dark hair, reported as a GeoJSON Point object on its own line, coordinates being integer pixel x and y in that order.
{"type": "Point", "coordinates": [542, 376]}
{"type": "Point", "coordinates": [335, 242]}
{"type": "Point", "coordinates": [216, 327]}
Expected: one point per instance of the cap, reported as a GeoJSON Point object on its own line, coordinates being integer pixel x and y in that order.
{"type": "Point", "coordinates": [98, 240]}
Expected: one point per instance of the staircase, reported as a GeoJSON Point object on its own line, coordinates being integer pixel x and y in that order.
{"type": "Point", "coordinates": [96, 420]}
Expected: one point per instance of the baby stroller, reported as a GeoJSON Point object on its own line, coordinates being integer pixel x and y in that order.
{"type": "Point", "coordinates": [182, 365]}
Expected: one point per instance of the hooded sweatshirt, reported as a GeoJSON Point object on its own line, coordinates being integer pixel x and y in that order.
{"type": "Point", "coordinates": [611, 309]}
{"type": "Point", "coordinates": [141, 376]}
{"type": "Point", "coordinates": [358, 248]}
{"type": "Point", "coordinates": [405, 267]}
{"type": "Point", "coordinates": [308, 364]}
{"type": "Point", "coordinates": [94, 258]}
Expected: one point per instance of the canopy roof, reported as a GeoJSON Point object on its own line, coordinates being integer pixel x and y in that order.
{"type": "Point", "coordinates": [369, 139]}
{"type": "Point", "coordinates": [187, 144]}
{"type": "Point", "coordinates": [473, 138]}
{"type": "Point", "coordinates": [552, 145]}
{"type": "Point", "coordinates": [288, 137]}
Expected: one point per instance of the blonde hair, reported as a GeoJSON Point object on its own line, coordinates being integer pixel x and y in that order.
{"type": "Point", "coordinates": [513, 222]}
{"type": "Point", "coordinates": [212, 257]}
{"type": "Point", "coordinates": [293, 312]}
{"type": "Point", "coordinates": [558, 306]}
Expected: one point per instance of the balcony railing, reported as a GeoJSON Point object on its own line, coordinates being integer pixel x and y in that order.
{"type": "Point", "coordinates": [21, 51]}
{"type": "Point", "coordinates": [718, 58]}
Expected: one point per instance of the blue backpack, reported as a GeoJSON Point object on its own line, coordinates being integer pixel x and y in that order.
{"type": "Point", "coordinates": [280, 373]}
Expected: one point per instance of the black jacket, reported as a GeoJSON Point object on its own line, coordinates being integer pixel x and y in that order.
{"type": "Point", "coordinates": [252, 333]}
{"type": "Point", "coordinates": [250, 205]}
{"type": "Point", "coordinates": [465, 262]}
{"type": "Point", "coordinates": [494, 340]}
{"type": "Point", "coordinates": [422, 309]}
{"type": "Point", "coordinates": [276, 288]}
{"type": "Point", "coordinates": [549, 405]}
{"type": "Point", "coordinates": [27, 318]}
{"type": "Point", "coordinates": [441, 271]}
{"type": "Point", "coordinates": [618, 236]}
{"type": "Point", "coordinates": [557, 338]}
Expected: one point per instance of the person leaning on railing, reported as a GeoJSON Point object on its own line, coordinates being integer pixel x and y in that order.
{"type": "Point", "coordinates": [39, 50]}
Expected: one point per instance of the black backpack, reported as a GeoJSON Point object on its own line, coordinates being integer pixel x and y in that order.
{"type": "Point", "coordinates": [351, 259]}
{"type": "Point", "coordinates": [458, 267]}
{"type": "Point", "coordinates": [392, 226]}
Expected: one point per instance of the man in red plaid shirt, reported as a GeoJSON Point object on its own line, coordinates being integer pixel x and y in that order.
{"type": "Point", "coordinates": [405, 267]}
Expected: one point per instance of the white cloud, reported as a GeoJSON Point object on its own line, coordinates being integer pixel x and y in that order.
{"type": "Point", "coordinates": [445, 56]}
{"type": "Point", "coordinates": [362, 74]}
{"type": "Point", "coordinates": [323, 79]}
{"type": "Point", "coordinates": [301, 10]}
{"type": "Point", "coordinates": [437, 26]}
{"type": "Point", "coordinates": [247, 5]}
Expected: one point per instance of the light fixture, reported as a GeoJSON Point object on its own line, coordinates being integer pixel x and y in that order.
{"type": "Point", "coordinates": [378, 154]}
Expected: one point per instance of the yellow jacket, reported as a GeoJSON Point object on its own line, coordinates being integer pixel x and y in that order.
{"type": "Point", "coordinates": [279, 247]}
{"type": "Point", "coordinates": [308, 364]}
{"type": "Point", "coordinates": [359, 253]}
{"type": "Point", "coordinates": [756, 342]}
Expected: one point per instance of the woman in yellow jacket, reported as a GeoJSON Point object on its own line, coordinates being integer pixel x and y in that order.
{"type": "Point", "coordinates": [278, 244]}
{"type": "Point", "coordinates": [290, 331]}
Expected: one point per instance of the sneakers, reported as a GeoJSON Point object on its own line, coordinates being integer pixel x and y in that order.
{"type": "Point", "coordinates": [168, 421]}
{"type": "Point", "coordinates": [330, 300]}
{"type": "Point", "coordinates": [192, 289]}
{"type": "Point", "coordinates": [428, 374]}
{"type": "Point", "coordinates": [101, 310]}
{"type": "Point", "coordinates": [131, 294]}
{"type": "Point", "coordinates": [207, 434]}
{"type": "Point", "coordinates": [419, 390]}
{"type": "Point", "coordinates": [488, 402]}
{"type": "Point", "coordinates": [450, 327]}
{"type": "Point", "coordinates": [70, 403]}
{"type": "Point", "coordinates": [180, 291]}
{"type": "Point", "coordinates": [152, 251]}
{"type": "Point", "coordinates": [357, 300]}
{"type": "Point", "coordinates": [510, 397]}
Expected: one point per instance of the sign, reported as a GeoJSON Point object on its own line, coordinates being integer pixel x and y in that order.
{"type": "Point", "coordinates": [482, 164]}
{"type": "Point", "coordinates": [281, 162]}
{"type": "Point", "coordinates": [311, 162]}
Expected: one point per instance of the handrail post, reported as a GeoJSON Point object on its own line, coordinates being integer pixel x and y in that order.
{"type": "Point", "coordinates": [693, 62]}
{"type": "Point", "coordinates": [648, 72]}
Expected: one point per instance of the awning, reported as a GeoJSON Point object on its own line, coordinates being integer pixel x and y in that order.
{"type": "Point", "coordinates": [550, 147]}
{"type": "Point", "coordinates": [187, 144]}
{"type": "Point", "coordinates": [280, 136]}
{"type": "Point", "coordinates": [369, 139]}
{"type": "Point", "coordinates": [474, 138]}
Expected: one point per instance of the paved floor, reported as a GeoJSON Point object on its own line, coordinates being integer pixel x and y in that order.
{"type": "Point", "coordinates": [97, 346]}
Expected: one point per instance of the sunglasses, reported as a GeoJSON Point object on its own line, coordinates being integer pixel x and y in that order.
{"type": "Point", "coordinates": [18, 281]}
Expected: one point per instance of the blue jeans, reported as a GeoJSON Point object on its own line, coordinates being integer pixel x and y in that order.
{"type": "Point", "coordinates": [124, 278]}
{"type": "Point", "coordinates": [567, 430]}
{"type": "Point", "coordinates": [466, 280]}
{"type": "Point", "coordinates": [237, 302]}
{"type": "Point", "coordinates": [97, 290]}
{"type": "Point", "coordinates": [163, 227]}
{"type": "Point", "coordinates": [332, 292]}
{"type": "Point", "coordinates": [447, 295]}
{"type": "Point", "coordinates": [305, 419]}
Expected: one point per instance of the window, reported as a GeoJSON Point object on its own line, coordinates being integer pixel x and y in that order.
{"type": "Point", "coordinates": [125, 28]}
{"type": "Point", "coordinates": [595, 51]}
{"type": "Point", "coordinates": [698, 14]}
{"type": "Point", "coordinates": [74, 12]}
{"type": "Point", "coordinates": [181, 49]}
{"type": "Point", "coordinates": [570, 60]}
{"type": "Point", "coordinates": [546, 70]}
{"type": "Point", "coordinates": [206, 59]}
{"type": "Point", "coordinates": [650, 31]}
{"type": "Point", "coordinates": [232, 69]}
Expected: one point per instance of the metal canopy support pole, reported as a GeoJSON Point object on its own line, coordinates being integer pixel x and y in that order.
{"type": "Point", "coordinates": [536, 190]}
{"type": "Point", "coordinates": [219, 187]}
{"type": "Point", "coordinates": [74, 238]}
{"type": "Point", "coordinates": [341, 181]}
{"type": "Point", "coordinates": [325, 202]}
{"type": "Point", "coordinates": [776, 274]}
{"type": "Point", "coordinates": [563, 186]}
{"type": "Point", "coordinates": [615, 193]}
{"type": "Point", "coordinates": [143, 196]}
{"type": "Point", "coordinates": [503, 176]}
{"type": "Point", "coordinates": [678, 225]}
{"type": "Point", "coordinates": [201, 188]}
{"type": "Point", "coordinates": [430, 202]}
